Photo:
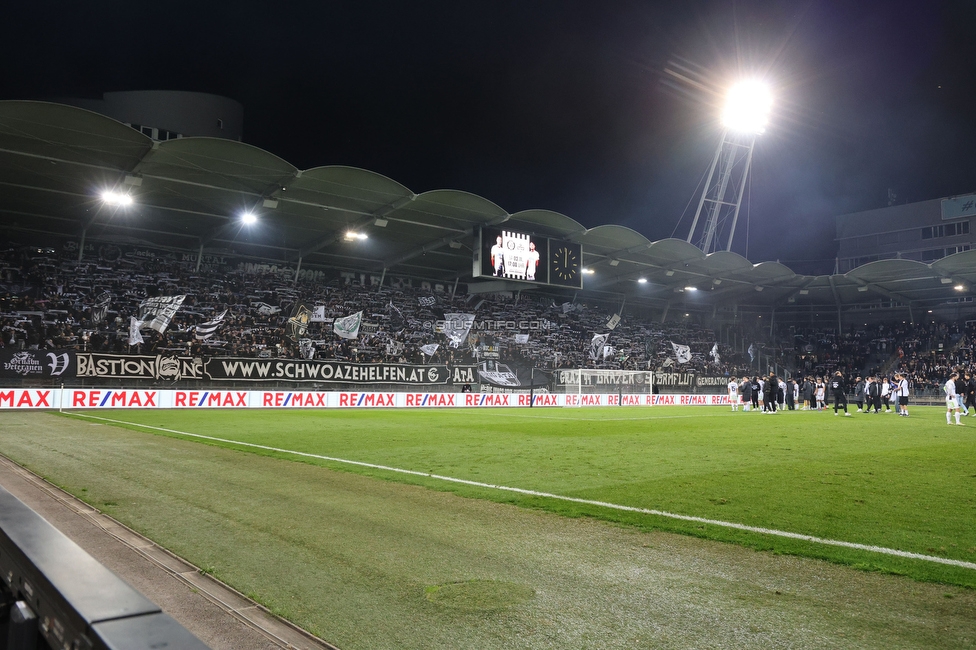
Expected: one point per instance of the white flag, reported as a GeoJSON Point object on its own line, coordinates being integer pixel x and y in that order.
{"type": "Point", "coordinates": [596, 345]}
{"type": "Point", "coordinates": [160, 310]}
{"type": "Point", "coordinates": [613, 322]}
{"type": "Point", "coordinates": [348, 327]}
{"type": "Point", "coordinates": [429, 349]}
{"type": "Point", "coordinates": [681, 352]}
{"type": "Point", "coordinates": [521, 339]}
{"type": "Point", "coordinates": [714, 353]}
{"type": "Point", "coordinates": [135, 336]}
{"type": "Point", "coordinates": [318, 314]}
{"type": "Point", "coordinates": [265, 309]}
{"type": "Point", "coordinates": [752, 352]}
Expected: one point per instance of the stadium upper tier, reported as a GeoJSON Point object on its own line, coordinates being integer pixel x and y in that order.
{"type": "Point", "coordinates": [189, 193]}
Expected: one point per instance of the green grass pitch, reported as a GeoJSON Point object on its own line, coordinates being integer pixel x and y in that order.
{"type": "Point", "coordinates": [372, 558]}
{"type": "Point", "coordinates": [880, 480]}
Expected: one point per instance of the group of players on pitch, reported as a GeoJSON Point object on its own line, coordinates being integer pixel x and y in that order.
{"type": "Point", "coordinates": [769, 392]}
{"type": "Point", "coordinates": [871, 393]}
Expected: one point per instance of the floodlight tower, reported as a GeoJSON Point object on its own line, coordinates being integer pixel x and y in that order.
{"type": "Point", "coordinates": [744, 117]}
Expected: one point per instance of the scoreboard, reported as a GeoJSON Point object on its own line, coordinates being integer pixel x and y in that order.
{"type": "Point", "coordinates": [524, 257]}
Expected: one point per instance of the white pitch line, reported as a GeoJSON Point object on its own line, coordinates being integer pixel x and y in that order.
{"type": "Point", "coordinates": [548, 495]}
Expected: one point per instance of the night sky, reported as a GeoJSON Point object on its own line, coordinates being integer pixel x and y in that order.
{"type": "Point", "coordinates": [558, 104]}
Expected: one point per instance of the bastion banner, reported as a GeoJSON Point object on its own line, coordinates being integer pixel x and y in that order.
{"type": "Point", "coordinates": [224, 369]}
{"type": "Point", "coordinates": [133, 366]}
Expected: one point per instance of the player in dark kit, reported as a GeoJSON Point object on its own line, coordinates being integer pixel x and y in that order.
{"type": "Point", "coordinates": [838, 388]}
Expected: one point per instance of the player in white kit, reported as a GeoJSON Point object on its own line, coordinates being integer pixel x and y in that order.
{"type": "Point", "coordinates": [952, 404]}
{"type": "Point", "coordinates": [734, 394]}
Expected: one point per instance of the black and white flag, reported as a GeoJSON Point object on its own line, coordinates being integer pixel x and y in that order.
{"type": "Point", "coordinates": [456, 328]}
{"type": "Point", "coordinates": [100, 308]}
{"type": "Point", "coordinates": [298, 323]}
{"type": "Point", "coordinates": [204, 331]}
{"type": "Point", "coordinates": [397, 320]}
{"type": "Point", "coordinates": [156, 313]}
{"type": "Point", "coordinates": [682, 353]}
{"type": "Point", "coordinates": [265, 309]}
{"type": "Point", "coordinates": [597, 344]}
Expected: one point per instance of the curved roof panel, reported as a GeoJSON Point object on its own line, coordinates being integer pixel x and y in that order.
{"type": "Point", "coordinates": [346, 188]}
{"type": "Point", "coordinates": [675, 251]}
{"type": "Point", "coordinates": [547, 222]}
{"type": "Point", "coordinates": [70, 134]}
{"type": "Point", "coordinates": [963, 264]}
{"type": "Point", "coordinates": [217, 164]}
{"type": "Point", "coordinates": [721, 262]}
{"type": "Point", "coordinates": [608, 238]}
{"type": "Point", "coordinates": [890, 270]}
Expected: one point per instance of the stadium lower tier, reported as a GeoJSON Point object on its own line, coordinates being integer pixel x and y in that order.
{"type": "Point", "coordinates": [74, 398]}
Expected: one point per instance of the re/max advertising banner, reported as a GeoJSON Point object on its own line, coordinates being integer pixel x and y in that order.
{"type": "Point", "coordinates": [129, 398]}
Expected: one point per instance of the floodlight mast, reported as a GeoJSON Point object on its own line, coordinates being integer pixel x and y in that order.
{"type": "Point", "coordinates": [744, 118]}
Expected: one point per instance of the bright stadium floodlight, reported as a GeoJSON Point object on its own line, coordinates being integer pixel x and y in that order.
{"type": "Point", "coordinates": [959, 287]}
{"type": "Point", "coordinates": [642, 280]}
{"type": "Point", "coordinates": [747, 107]}
{"type": "Point", "coordinates": [691, 288]}
{"type": "Point", "coordinates": [588, 271]}
{"type": "Point", "coordinates": [353, 236]}
{"type": "Point", "coordinates": [110, 197]}
{"type": "Point", "coordinates": [744, 118]}
{"type": "Point", "coordinates": [249, 218]}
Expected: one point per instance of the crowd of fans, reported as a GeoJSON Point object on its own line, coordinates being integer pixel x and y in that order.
{"type": "Point", "coordinates": [52, 300]}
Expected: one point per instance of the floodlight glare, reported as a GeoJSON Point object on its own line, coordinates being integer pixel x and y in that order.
{"type": "Point", "coordinates": [642, 280]}
{"type": "Point", "coordinates": [352, 236]}
{"type": "Point", "coordinates": [248, 218]}
{"type": "Point", "coordinates": [691, 288]}
{"type": "Point", "coordinates": [110, 197]}
{"type": "Point", "coordinates": [588, 271]}
{"type": "Point", "coordinates": [959, 287]}
{"type": "Point", "coordinates": [747, 107]}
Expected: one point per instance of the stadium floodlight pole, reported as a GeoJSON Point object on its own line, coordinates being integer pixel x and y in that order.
{"type": "Point", "coordinates": [744, 117]}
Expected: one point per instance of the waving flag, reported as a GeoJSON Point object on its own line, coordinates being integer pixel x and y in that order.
{"type": "Point", "coordinates": [681, 352]}
{"type": "Point", "coordinates": [597, 344]}
{"type": "Point", "coordinates": [204, 331]}
{"type": "Point", "coordinates": [156, 313]}
{"type": "Point", "coordinates": [348, 327]}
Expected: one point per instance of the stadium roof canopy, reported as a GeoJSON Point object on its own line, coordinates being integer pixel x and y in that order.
{"type": "Point", "coordinates": [55, 160]}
